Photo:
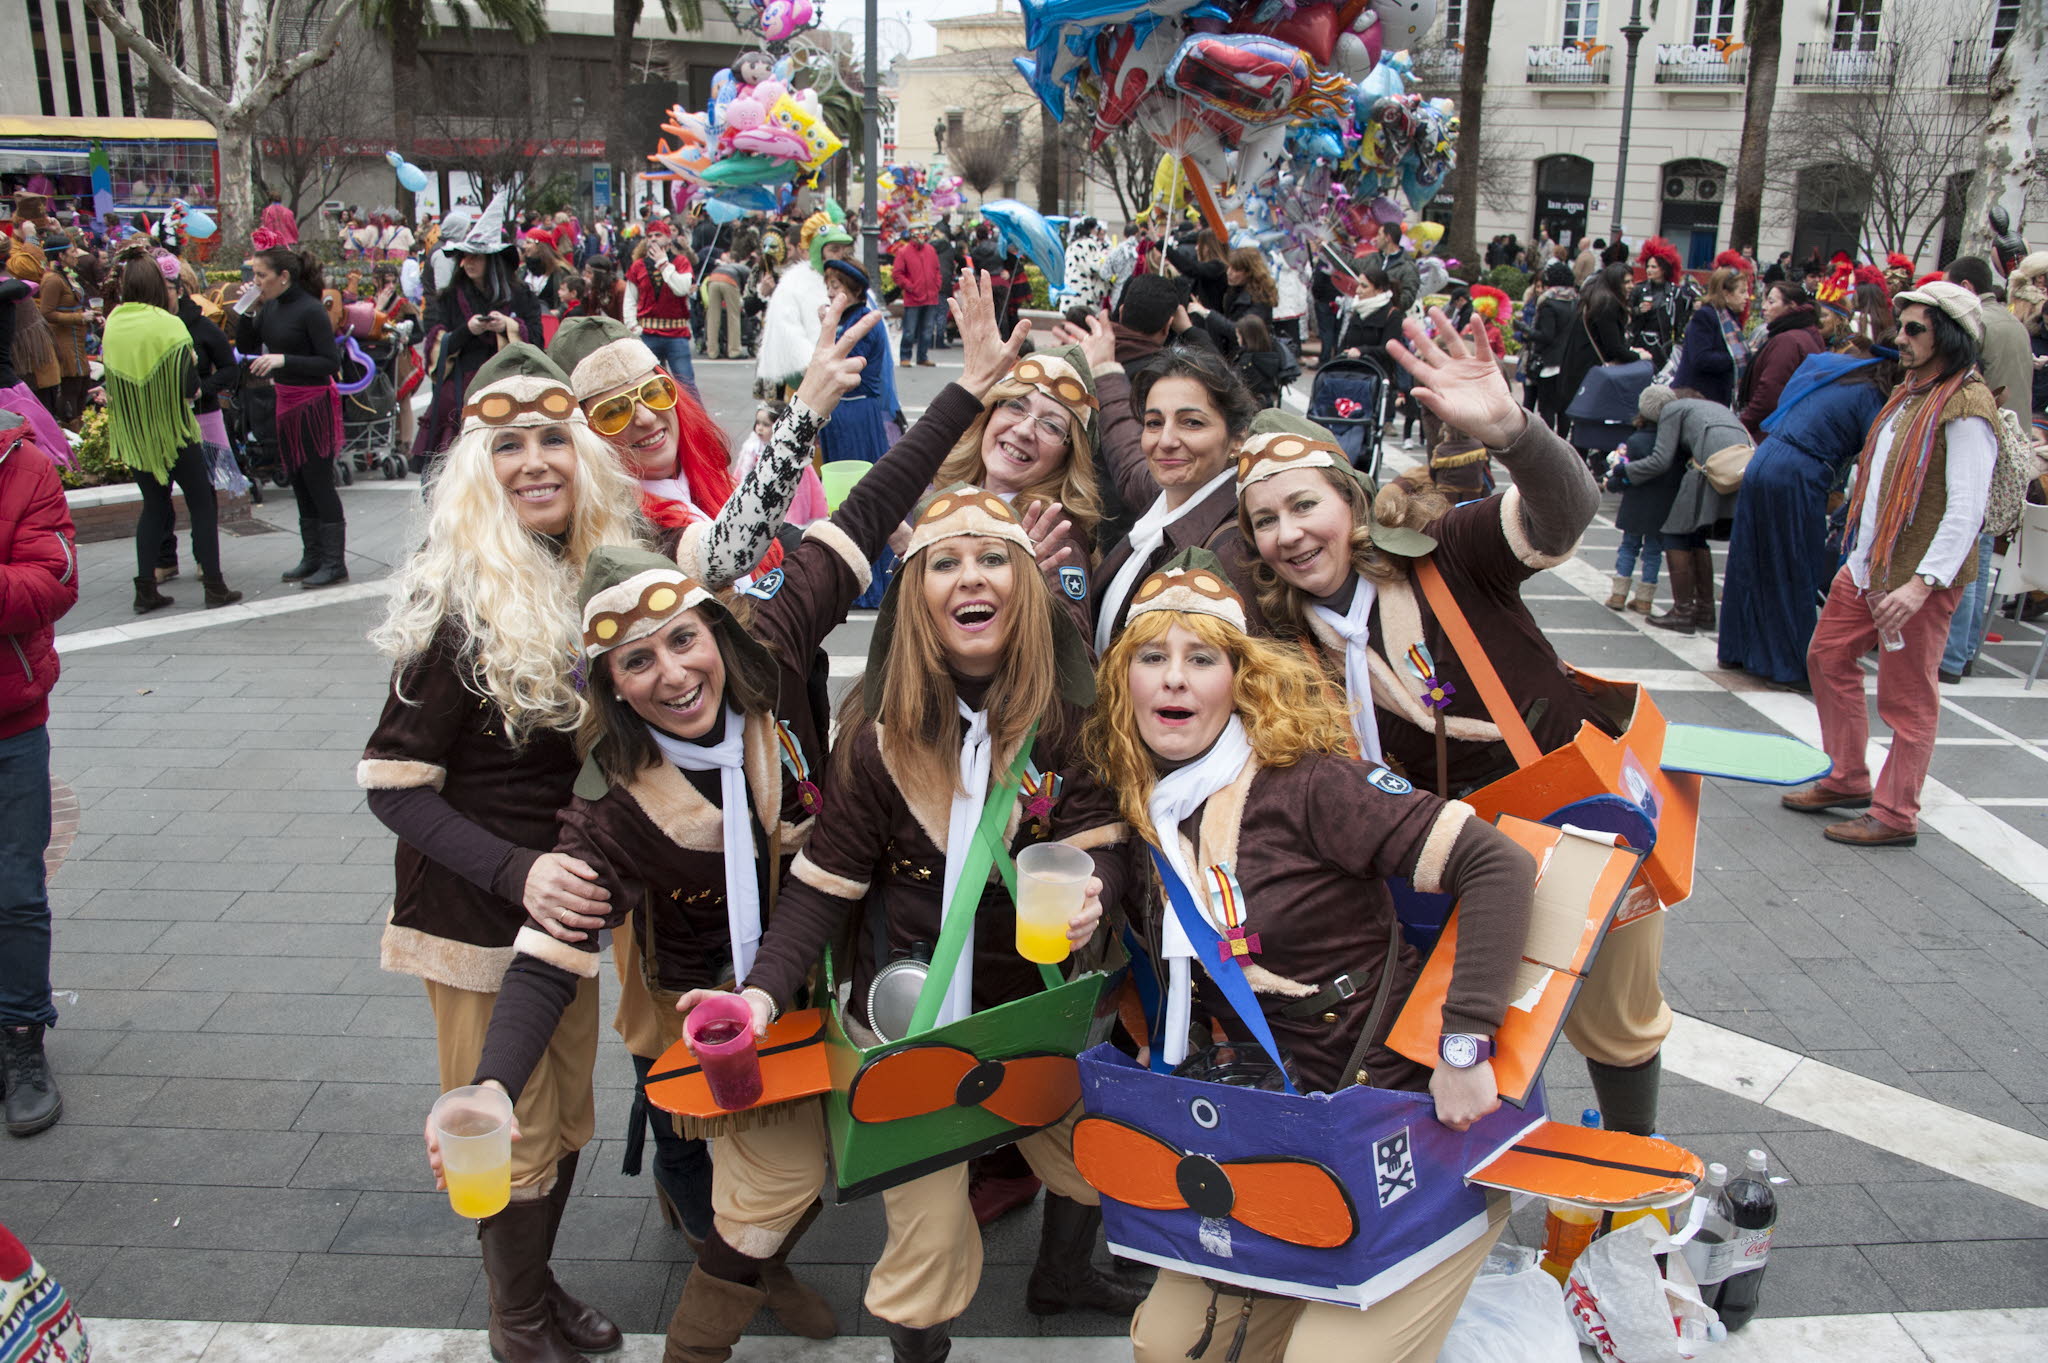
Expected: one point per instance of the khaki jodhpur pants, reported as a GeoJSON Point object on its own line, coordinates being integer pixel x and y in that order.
{"type": "Point", "coordinates": [557, 1111]}
{"type": "Point", "coordinates": [1620, 1017]}
{"type": "Point", "coordinates": [1408, 1327]}
{"type": "Point", "coordinates": [762, 1179]}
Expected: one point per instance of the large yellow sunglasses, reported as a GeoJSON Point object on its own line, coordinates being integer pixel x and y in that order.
{"type": "Point", "coordinates": [615, 413]}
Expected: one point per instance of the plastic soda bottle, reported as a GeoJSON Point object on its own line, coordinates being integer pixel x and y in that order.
{"type": "Point", "coordinates": [1568, 1229]}
{"type": "Point", "coordinates": [1714, 1231]}
{"type": "Point", "coordinates": [1752, 1209]}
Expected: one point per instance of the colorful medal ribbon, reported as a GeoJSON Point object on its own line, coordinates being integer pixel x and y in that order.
{"type": "Point", "coordinates": [1436, 692]}
{"type": "Point", "coordinates": [807, 793]}
{"type": "Point", "coordinates": [1040, 791]}
{"type": "Point", "coordinates": [1228, 897]}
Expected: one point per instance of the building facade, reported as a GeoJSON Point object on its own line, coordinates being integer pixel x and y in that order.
{"type": "Point", "coordinates": [1879, 109]}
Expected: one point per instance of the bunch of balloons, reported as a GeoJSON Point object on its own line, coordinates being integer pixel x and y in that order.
{"type": "Point", "coordinates": [757, 135]}
{"type": "Point", "coordinates": [1296, 112]}
{"type": "Point", "coordinates": [777, 21]}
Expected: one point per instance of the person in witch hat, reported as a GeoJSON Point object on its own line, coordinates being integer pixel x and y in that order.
{"type": "Point", "coordinates": [471, 759]}
{"type": "Point", "coordinates": [483, 308]}
{"type": "Point", "coordinates": [972, 664]}
{"type": "Point", "coordinates": [1231, 758]}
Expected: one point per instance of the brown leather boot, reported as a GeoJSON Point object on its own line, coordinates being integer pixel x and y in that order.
{"type": "Point", "coordinates": [710, 1318]}
{"type": "Point", "coordinates": [1703, 590]}
{"type": "Point", "coordinates": [1065, 1277]}
{"type": "Point", "coordinates": [1678, 565]}
{"type": "Point", "coordinates": [515, 1245]}
{"type": "Point", "coordinates": [801, 1308]}
{"type": "Point", "coordinates": [585, 1327]}
{"type": "Point", "coordinates": [932, 1344]}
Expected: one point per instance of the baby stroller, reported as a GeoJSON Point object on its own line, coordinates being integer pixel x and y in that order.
{"type": "Point", "coordinates": [1350, 396]}
{"type": "Point", "coordinates": [369, 417]}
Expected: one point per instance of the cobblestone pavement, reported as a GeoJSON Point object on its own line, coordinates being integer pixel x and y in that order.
{"type": "Point", "coordinates": [244, 1087]}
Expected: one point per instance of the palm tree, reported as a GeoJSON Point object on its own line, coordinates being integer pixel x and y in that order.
{"type": "Point", "coordinates": [1762, 28]}
{"type": "Point", "coordinates": [1477, 40]}
{"type": "Point", "coordinates": [619, 149]}
{"type": "Point", "coordinates": [404, 22]}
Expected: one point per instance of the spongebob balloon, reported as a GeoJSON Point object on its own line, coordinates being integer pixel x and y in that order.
{"type": "Point", "coordinates": [799, 116]}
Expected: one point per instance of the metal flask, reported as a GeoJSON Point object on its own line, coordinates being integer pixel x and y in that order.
{"type": "Point", "coordinates": [892, 994]}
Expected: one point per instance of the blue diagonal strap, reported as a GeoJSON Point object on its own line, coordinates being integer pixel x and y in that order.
{"type": "Point", "coordinates": [1228, 975]}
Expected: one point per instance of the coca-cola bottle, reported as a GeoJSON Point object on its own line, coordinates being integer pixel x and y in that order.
{"type": "Point", "coordinates": [1751, 1208]}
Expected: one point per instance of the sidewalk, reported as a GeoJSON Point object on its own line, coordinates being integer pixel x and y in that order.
{"type": "Point", "coordinates": [244, 1087]}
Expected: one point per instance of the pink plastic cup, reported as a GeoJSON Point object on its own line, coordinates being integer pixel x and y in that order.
{"type": "Point", "coordinates": [720, 1032]}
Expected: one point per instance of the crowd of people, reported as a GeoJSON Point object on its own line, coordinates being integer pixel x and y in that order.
{"type": "Point", "coordinates": [1112, 556]}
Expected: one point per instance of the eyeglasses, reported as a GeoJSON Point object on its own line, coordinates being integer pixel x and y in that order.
{"type": "Point", "coordinates": [1914, 328]}
{"type": "Point", "coordinates": [615, 413]}
{"type": "Point", "coordinates": [502, 409]}
{"type": "Point", "coordinates": [1047, 428]}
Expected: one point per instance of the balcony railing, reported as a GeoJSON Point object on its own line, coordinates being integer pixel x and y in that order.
{"type": "Point", "coordinates": [1570, 68]}
{"type": "Point", "coordinates": [1438, 66]}
{"type": "Point", "coordinates": [1969, 63]}
{"type": "Point", "coordinates": [1822, 64]}
{"type": "Point", "coordinates": [1709, 68]}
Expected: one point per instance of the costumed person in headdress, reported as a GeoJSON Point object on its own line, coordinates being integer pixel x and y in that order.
{"type": "Point", "coordinates": [1034, 446]}
{"type": "Point", "coordinates": [471, 759]}
{"type": "Point", "coordinates": [483, 308]}
{"type": "Point", "coordinates": [298, 415]}
{"type": "Point", "coordinates": [1660, 306]}
{"type": "Point", "coordinates": [789, 328]}
{"type": "Point", "coordinates": [677, 454]}
{"type": "Point", "coordinates": [659, 286]}
{"type": "Point", "coordinates": [706, 753]}
{"type": "Point", "coordinates": [1337, 575]}
{"type": "Point", "coordinates": [970, 662]}
{"type": "Point", "coordinates": [1899, 272]}
{"type": "Point", "coordinates": [62, 303]}
{"type": "Point", "coordinates": [1230, 754]}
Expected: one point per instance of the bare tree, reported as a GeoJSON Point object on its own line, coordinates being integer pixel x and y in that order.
{"type": "Point", "coordinates": [1125, 164]}
{"type": "Point", "coordinates": [2013, 155]}
{"type": "Point", "coordinates": [320, 129]}
{"type": "Point", "coordinates": [1466, 180]}
{"type": "Point", "coordinates": [506, 136]}
{"type": "Point", "coordinates": [988, 153]}
{"type": "Point", "coordinates": [1763, 31]}
{"type": "Point", "coordinates": [259, 72]}
{"type": "Point", "coordinates": [1904, 133]}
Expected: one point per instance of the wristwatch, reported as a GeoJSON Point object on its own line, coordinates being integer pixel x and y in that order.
{"type": "Point", "coordinates": [1934, 583]}
{"type": "Point", "coordinates": [1462, 1050]}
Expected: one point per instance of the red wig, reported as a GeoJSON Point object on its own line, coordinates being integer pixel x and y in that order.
{"type": "Point", "coordinates": [1869, 274]}
{"type": "Point", "coordinates": [1663, 252]}
{"type": "Point", "coordinates": [1734, 260]}
{"type": "Point", "coordinates": [703, 463]}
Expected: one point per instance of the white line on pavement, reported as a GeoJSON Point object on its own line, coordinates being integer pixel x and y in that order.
{"type": "Point", "coordinates": [226, 615]}
{"type": "Point", "coordinates": [1896, 1337]}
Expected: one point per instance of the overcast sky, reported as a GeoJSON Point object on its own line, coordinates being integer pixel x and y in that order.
{"type": "Point", "coordinates": [903, 24]}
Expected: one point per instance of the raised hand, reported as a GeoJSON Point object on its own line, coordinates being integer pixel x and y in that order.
{"type": "Point", "coordinates": [1097, 341]}
{"type": "Point", "coordinates": [988, 358]}
{"type": "Point", "coordinates": [1461, 382]}
{"type": "Point", "coordinates": [834, 370]}
{"type": "Point", "coordinates": [1053, 535]}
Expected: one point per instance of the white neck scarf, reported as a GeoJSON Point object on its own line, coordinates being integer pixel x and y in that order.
{"type": "Point", "coordinates": [742, 882]}
{"type": "Point", "coordinates": [1179, 794]}
{"type": "Point", "coordinates": [969, 798]}
{"type": "Point", "coordinates": [1355, 628]}
{"type": "Point", "coordinates": [1146, 536]}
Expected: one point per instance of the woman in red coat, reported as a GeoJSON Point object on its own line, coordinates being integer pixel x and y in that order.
{"type": "Point", "coordinates": [1791, 333]}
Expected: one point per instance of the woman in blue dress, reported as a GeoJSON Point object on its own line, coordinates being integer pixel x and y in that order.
{"type": "Point", "coordinates": [1779, 559]}
{"type": "Point", "coordinates": [856, 430]}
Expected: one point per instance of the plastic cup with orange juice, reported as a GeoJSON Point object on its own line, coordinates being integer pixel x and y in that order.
{"type": "Point", "coordinates": [473, 1126]}
{"type": "Point", "coordinates": [1052, 883]}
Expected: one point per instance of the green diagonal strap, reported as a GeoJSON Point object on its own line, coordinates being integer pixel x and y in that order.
{"type": "Point", "coordinates": [984, 853]}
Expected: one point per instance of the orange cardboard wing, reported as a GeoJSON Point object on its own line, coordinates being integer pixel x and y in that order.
{"type": "Point", "coordinates": [1579, 882]}
{"type": "Point", "coordinates": [1603, 1170]}
{"type": "Point", "coordinates": [792, 1066]}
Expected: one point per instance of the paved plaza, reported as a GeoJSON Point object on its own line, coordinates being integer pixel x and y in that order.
{"type": "Point", "coordinates": [244, 1087]}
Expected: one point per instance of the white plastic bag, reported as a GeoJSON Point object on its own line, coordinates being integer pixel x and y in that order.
{"type": "Point", "coordinates": [1627, 1310]}
{"type": "Point", "coordinates": [1512, 1318]}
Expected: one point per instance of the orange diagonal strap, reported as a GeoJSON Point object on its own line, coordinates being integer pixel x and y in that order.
{"type": "Point", "coordinates": [1025, 1090]}
{"type": "Point", "coordinates": [1500, 707]}
{"type": "Point", "coordinates": [1294, 1200]}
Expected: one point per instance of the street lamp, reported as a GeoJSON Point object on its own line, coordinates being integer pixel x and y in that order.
{"type": "Point", "coordinates": [871, 144]}
{"type": "Point", "coordinates": [1633, 31]}
{"type": "Point", "coordinates": [576, 108]}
